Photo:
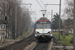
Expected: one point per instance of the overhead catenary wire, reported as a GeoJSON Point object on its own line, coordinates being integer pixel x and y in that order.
{"type": "Point", "coordinates": [33, 13]}
{"type": "Point", "coordinates": [39, 4]}
{"type": "Point", "coordinates": [43, 4]}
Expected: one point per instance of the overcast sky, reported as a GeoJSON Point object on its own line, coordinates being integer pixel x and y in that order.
{"type": "Point", "coordinates": [36, 7]}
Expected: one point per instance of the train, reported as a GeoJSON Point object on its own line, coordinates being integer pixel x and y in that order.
{"type": "Point", "coordinates": [43, 29]}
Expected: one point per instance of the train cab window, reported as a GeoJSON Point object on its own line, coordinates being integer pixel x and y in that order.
{"type": "Point", "coordinates": [38, 26]}
{"type": "Point", "coordinates": [43, 26]}
{"type": "Point", "coordinates": [46, 26]}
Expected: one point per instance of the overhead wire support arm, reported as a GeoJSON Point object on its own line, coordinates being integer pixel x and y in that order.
{"type": "Point", "coordinates": [59, 15]}
{"type": "Point", "coordinates": [26, 4]}
{"type": "Point", "coordinates": [52, 4]}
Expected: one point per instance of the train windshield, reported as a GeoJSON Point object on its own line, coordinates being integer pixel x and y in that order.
{"type": "Point", "coordinates": [43, 26]}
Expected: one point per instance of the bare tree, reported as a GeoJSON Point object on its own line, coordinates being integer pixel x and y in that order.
{"type": "Point", "coordinates": [7, 8]}
{"type": "Point", "coordinates": [69, 9]}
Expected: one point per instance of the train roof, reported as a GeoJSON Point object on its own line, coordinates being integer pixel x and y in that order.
{"type": "Point", "coordinates": [43, 18]}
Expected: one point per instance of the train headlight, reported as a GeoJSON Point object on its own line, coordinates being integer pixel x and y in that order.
{"type": "Point", "coordinates": [37, 32]}
{"type": "Point", "coordinates": [49, 32]}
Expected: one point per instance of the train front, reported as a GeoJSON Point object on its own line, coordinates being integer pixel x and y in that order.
{"type": "Point", "coordinates": [43, 30]}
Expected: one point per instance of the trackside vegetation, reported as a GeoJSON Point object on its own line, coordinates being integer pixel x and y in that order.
{"type": "Point", "coordinates": [64, 39]}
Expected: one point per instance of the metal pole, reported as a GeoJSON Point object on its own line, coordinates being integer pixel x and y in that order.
{"type": "Point", "coordinates": [74, 27]}
{"type": "Point", "coordinates": [35, 19]}
{"type": "Point", "coordinates": [51, 18]}
{"type": "Point", "coordinates": [15, 18]}
{"type": "Point", "coordinates": [59, 18]}
{"type": "Point", "coordinates": [45, 9]}
{"type": "Point", "coordinates": [51, 15]}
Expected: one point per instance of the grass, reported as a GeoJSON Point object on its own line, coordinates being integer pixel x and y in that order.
{"type": "Point", "coordinates": [55, 34]}
{"type": "Point", "coordinates": [8, 39]}
{"type": "Point", "coordinates": [25, 33]}
{"type": "Point", "coordinates": [65, 40]}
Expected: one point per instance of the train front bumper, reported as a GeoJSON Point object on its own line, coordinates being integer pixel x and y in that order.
{"type": "Point", "coordinates": [43, 35]}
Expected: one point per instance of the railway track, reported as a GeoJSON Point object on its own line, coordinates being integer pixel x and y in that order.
{"type": "Point", "coordinates": [21, 44]}
{"type": "Point", "coordinates": [44, 46]}
{"type": "Point", "coordinates": [41, 46]}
